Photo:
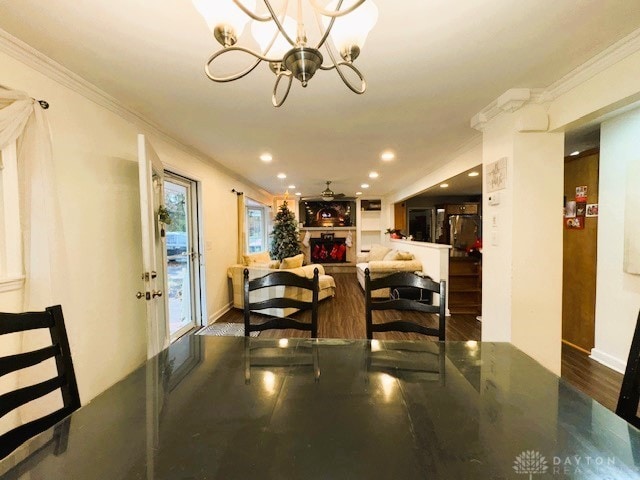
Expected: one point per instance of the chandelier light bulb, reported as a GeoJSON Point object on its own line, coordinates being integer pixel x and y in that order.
{"type": "Point", "coordinates": [352, 29]}
{"type": "Point", "coordinates": [224, 13]}
{"type": "Point", "coordinates": [263, 32]}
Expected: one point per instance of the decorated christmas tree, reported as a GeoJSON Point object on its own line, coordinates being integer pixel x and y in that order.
{"type": "Point", "coordinates": [284, 238]}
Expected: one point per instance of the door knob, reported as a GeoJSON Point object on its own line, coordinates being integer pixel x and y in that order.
{"type": "Point", "coordinates": [156, 293]}
{"type": "Point", "coordinates": [140, 295]}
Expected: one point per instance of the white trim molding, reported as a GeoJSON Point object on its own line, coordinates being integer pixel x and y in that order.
{"type": "Point", "coordinates": [603, 60]}
{"type": "Point", "coordinates": [11, 284]}
{"type": "Point", "coordinates": [31, 57]}
{"type": "Point", "coordinates": [514, 98]}
{"type": "Point", "coordinates": [608, 360]}
{"type": "Point", "coordinates": [216, 315]}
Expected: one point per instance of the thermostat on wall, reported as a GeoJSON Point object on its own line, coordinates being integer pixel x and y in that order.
{"type": "Point", "coordinates": [494, 198]}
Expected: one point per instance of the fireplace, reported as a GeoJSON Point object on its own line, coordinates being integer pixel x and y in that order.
{"type": "Point", "coordinates": [323, 250]}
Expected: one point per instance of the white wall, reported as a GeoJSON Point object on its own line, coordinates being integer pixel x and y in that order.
{"type": "Point", "coordinates": [95, 162]}
{"type": "Point", "coordinates": [617, 292]}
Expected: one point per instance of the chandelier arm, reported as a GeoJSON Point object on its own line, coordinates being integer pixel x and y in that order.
{"type": "Point", "coordinates": [236, 76]}
{"type": "Point", "coordinates": [275, 35]}
{"type": "Point", "coordinates": [325, 34]}
{"type": "Point", "coordinates": [279, 76]}
{"type": "Point", "coordinates": [275, 19]}
{"type": "Point", "coordinates": [250, 13]}
{"type": "Point", "coordinates": [337, 65]}
{"type": "Point", "coordinates": [335, 13]}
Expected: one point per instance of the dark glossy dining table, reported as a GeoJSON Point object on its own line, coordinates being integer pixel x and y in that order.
{"type": "Point", "coordinates": [235, 408]}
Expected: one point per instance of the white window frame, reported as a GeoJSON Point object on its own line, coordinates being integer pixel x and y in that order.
{"type": "Point", "coordinates": [11, 265]}
{"type": "Point", "coordinates": [254, 205]}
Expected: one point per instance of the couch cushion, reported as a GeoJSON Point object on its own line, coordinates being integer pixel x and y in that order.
{"type": "Point", "coordinates": [391, 255]}
{"type": "Point", "coordinates": [253, 258]}
{"type": "Point", "coordinates": [404, 256]}
{"type": "Point", "coordinates": [292, 262]}
{"type": "Point", "coordinates": [378, 252]}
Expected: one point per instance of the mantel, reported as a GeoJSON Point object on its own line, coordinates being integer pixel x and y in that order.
{"type": "Point", "coordinates": [327, 229]}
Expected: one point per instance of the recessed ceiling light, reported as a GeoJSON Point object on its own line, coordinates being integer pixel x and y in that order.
{"type": "Point", "coordinates": [358, 193]}
{"type": "Point", "coordinates": [282, 175]}
{"type": "Point", "coordinates": [298, 194]}
{"type": "Point", "coordinates": [573, 154]}
{"type": "Point", "coordinates": [364, 185]}
{"type": "Point", "coordinates": [444, 185]}
{"type": "Point", "coordinates": [266, 157]}
{"type": "Point", "coordinates": [473, 174]}
{"type": "Point", "coordinates": [388, 156]}
{"type": "Point", "coordinates": [292, 187]}
{"type": "Point", "coordinates": [373, 175]}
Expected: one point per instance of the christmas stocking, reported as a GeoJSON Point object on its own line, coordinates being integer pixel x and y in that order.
{"type": "Point", "coordinates": [349, 241]}
{"type": "Point", "coordinates": [341, 251]}
{"type": "Point", "coordinates": [307, 237]}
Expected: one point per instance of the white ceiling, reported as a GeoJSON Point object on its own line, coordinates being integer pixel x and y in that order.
{"type": "Point", "coordinates": [430, 65]}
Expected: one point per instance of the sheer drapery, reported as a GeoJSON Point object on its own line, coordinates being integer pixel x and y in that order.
{"type": "Point", "coordinates": [22, 119]}
{"type": "Point", "coordinates": [242, 228]}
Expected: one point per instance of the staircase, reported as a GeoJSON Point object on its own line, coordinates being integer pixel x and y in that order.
{"type": "Point", "coordinates": [465, 285]}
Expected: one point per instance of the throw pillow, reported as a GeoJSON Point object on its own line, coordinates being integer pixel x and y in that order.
{"type": "Point", "coordinates": [292, 262]}
{"type": "Point", "coordinates": [261, 257]}
{"type": "Point", "coordinates": [404, 256]}
{"type": "Point", "coordinates": [378, 252]}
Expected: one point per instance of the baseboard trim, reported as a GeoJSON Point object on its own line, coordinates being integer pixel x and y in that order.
{"type": "Point", "coordinates": [608, 360]}
{"type": "Point", "coordinates": [573, 345]}
{"type": "Point", "coordinates": [216, 315]}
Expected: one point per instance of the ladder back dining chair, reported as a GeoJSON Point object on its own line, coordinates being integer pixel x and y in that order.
{"type": "Point", "coordinates": [64, 381]}
{"type": "Point", "coordinates": [285, 282]}
{"type": "Point", "coordinates": [408, 323]}
{"type": "Point", "coordinates": [630, 391]}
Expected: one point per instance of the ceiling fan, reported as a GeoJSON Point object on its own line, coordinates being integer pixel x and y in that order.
{"type": "Point", "coordinates": [328, 195]}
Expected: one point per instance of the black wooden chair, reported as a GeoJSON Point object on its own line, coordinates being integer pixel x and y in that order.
{"type": "Point", "coordinates": [630, 391]}
{"type": "Point", "coordinates": [65, 380]}
{"type": "Point", "coordinates": [404, 280]}
{"type": "Point", "coordinates": [289, 281]}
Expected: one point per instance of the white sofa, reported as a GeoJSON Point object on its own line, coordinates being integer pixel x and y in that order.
{"type": "Point", "coordinates": [382, 261]}
{"type": "Point", "coordinates": [260, 269]}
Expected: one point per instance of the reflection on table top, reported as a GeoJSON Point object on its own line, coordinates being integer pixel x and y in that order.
{"type": "Point", "coordinates": [224, 407]}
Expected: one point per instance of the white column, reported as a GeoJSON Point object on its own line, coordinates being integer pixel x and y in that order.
{"type": "Point", "coordinates": [522, 229]}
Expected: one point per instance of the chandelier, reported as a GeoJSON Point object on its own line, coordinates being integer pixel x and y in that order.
{"type": "Point", "coordinates": [282, 39]}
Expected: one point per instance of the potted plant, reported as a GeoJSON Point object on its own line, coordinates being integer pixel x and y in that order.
{"type": "Point", "coordinates": [394, 233]}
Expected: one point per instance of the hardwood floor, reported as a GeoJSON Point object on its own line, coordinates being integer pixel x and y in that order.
{"type": "Point", "coordinates": [343, 317]}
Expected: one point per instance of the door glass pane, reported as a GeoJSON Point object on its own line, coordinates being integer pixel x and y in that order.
{"type": "Point", "coordinates": [178, 257]}
{"type": "Point", "coordinates": [255, 229]}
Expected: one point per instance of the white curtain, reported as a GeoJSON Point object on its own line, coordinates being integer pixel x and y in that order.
{"type": "Point", "coordinates": [242, 229]}
{"type": "Point", "coordinates": [22, 119]}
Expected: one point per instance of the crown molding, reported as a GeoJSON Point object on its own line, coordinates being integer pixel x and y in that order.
{"type": "Point", "coordinates": [597, 64]}
{"type": "Point", "coordinates": [515, 98]}
{"type": "Point", "coordinates": [510, 101]}
{"type": "Point", "coordinates": [35, 59]}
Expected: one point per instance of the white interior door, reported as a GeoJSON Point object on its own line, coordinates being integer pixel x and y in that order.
{"type": "Point", "coordinates": [151, 174]}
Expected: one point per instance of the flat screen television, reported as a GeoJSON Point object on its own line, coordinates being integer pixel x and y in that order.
{"type": "Point", "coordinates": [337, 213]}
